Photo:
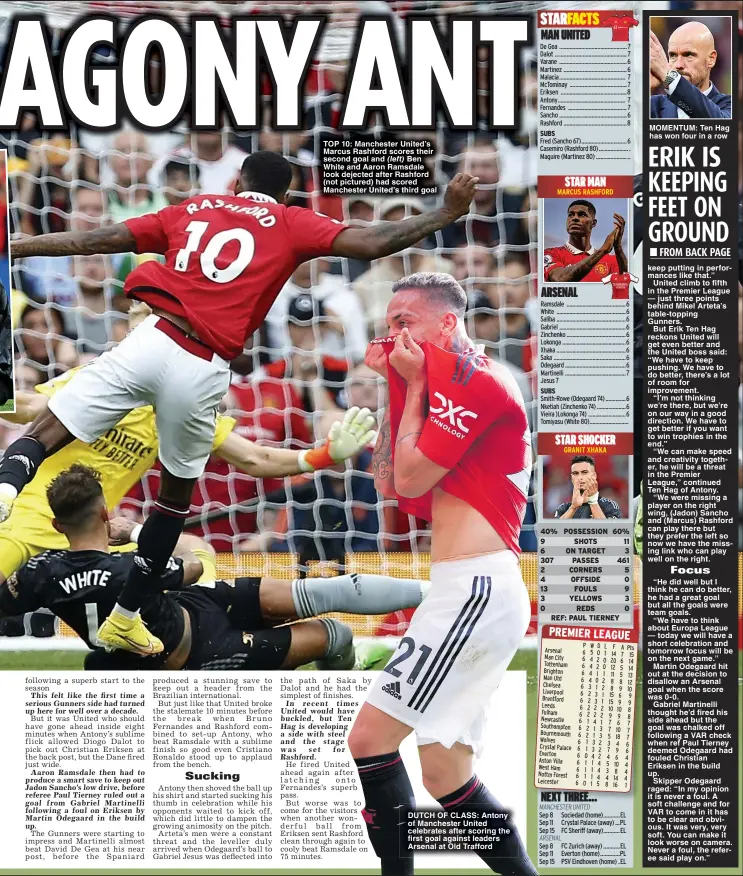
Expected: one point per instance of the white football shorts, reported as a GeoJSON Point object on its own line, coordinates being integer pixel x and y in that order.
{"type": "Point", "coordinates": [150, 367]}
{"type": "Point", "coordinates": [460, 641]}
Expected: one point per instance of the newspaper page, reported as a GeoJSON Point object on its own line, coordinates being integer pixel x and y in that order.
{"type": "Point", "coordinates": [370, 407]}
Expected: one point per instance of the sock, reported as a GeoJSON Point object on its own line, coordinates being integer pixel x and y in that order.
{"type": "Point", "coordinates": [20, 463]}
{"type": "Point", "coordinates": [388, 795]}
{"type": "Point", "coordinates": [155, 545]}
{"type": "Point", "coordinates": [340, 655]}
{"type": "Point", "coordinates": [357, 594]}
{"type": "Point", "coordinates": [208, 565]}
{"type": "Point", "coordinates": [511, 858]}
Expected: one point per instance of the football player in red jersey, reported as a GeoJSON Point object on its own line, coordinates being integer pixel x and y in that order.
{"type": "Point", "coordinates": [577, 259]}
{"type": "Point", "coordinates": [455, 449]}
{"type": "Point", "coordinates": [226, 259]}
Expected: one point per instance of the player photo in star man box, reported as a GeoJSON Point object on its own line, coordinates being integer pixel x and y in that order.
{"type": "Point", "coordinates": [575, 228]}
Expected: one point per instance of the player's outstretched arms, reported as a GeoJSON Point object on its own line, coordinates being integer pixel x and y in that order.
{"type": "Point", "coordinates": [112, 238]}
{"type": "Point", "coordinates": [28, 406]}
{"type": "Point", "coordinates": [346, 438]}
{"type": "Point", "coordinates": [386, 238]}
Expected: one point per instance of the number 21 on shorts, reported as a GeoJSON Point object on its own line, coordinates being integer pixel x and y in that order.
{"type": "Point", "coordinates": [405, 650]}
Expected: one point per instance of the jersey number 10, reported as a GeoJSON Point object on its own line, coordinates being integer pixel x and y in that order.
{"type": "Point", "coordinates": [208, 258]}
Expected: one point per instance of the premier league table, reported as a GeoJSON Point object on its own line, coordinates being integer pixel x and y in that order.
{"type": "Point", "coordinates": [585, 744]}
{"type": "Point", "coordinates": [586, 708]}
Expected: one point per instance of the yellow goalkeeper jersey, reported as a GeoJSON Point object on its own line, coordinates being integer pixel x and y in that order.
{"type": "Point", "coordinates": [122, 456]}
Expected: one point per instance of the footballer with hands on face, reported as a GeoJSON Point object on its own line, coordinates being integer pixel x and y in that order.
{"type": "Point", "coordinates": [455, 449]}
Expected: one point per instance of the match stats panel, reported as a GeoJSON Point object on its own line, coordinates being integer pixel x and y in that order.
{"type": "Point", "coordinates": [586, 574]}
{"type": "Point", "coordinates": [587, 605]}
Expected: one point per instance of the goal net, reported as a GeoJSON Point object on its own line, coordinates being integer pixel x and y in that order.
{"type": "Point", "coordinates": [296, 375]}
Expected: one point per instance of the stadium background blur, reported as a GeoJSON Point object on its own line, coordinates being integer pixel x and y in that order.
{"type": "Point", "coordinates": [305, 364]}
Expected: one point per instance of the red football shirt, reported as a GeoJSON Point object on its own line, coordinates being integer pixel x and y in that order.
{"type": "Point", "coordinates": [620, 25]}
{"type": "Point", "coordinates": [562, 256]}
{"type": "Point", "coordinates": [226, 259]}
{"type": "Point", "coordinates": [620, 284]}
{"type": "Point", "coordinates": [476, 427]}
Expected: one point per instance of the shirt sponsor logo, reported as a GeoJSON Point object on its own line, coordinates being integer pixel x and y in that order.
{"type": "Point", "coordinates": [453, 413]}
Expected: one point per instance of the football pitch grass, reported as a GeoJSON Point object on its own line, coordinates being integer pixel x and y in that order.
{"type": "Point", "coordinates": [55, 661]}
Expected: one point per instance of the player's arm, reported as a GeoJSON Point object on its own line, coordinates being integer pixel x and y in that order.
{"type": "Point", "coordinates": [346, 438]}
{"type": "Point", "coordinates": [573, 273]}
{"type": "Point", "coordinates": [382, 460]}
{"type": "Point", "coordinates": [612, 511]}
{"type": "Point", "coordinates": [414, 473]}
{"type": "Point", "coordinates": [385, 238]}
{"type": "Point", "coordinates": [112, 238]}
{"type": "Point", "coordinates": [19, 593]}
{"type": "Point", "coordinates": [619, 252]}
{"type": "Point", "coordinates": [28, 406]}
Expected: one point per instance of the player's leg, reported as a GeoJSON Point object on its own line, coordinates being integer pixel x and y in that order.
{"type": "Point", "coordinates": [449, 777]}
{"type": "Point", "coordinates": [451, 693]}
{"type": "Point", "coordinates": [282, 601]}
{"type": "Point", "coordinates": [23, 457]}
{"type": "Point", "coordinates": [90, 403]}
{"type": "Point", "coordinates": [324, 641]}
{"type": "Point", "coordinates": [374, 743]}
{"type": "Point", "coordinates": [13, 554]}
{"type": "Point", "coordinates": [189, 385]}
{"type": "Point", "coordinates": [455, 652]}
{"type": "Point", "coordinates": [223, 647]}
{"type": "Point", "coordinates": [124, 628]}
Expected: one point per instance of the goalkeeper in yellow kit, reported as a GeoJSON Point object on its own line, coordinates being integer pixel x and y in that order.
{"type": "Point", "coordinates": [123, 455]}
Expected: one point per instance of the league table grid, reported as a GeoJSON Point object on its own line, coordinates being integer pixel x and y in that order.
{"type": "Point", "coordinates": [590, 710]}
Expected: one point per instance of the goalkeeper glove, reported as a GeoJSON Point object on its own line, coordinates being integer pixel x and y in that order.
{"type": "Point", "coordinates": [346, 438]}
